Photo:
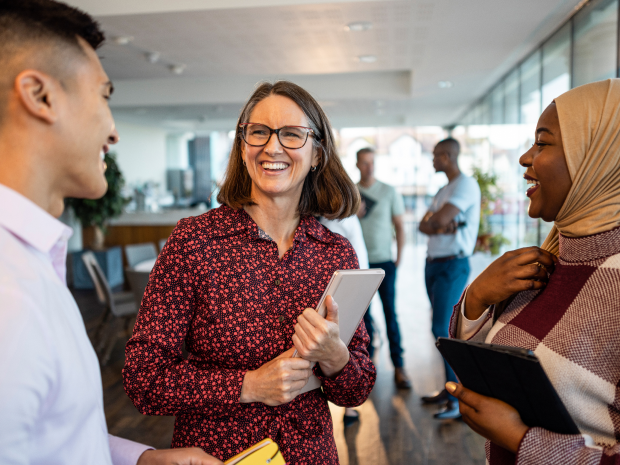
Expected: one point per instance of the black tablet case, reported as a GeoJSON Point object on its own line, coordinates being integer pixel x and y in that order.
{"type": "Point", "coordinates": [369, 203]}
{"type": "Point", "coordinates": [512, 375]}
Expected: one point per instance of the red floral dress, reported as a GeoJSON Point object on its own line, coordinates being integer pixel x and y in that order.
{"type": "Point", "coordinates": [219, 287]}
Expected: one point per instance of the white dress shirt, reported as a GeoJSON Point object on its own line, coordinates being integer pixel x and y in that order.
{"type": "Point", "coordinates": [351, 229]}
{"type": "Point", "coordinates": [51, 398]}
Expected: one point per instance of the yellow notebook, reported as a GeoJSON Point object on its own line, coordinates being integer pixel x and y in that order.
{"type": "Point", "coordinates": [265, 452]}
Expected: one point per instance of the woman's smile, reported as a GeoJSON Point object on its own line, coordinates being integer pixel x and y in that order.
{"type": "Point", "coordinates": [274, 167]}
{"type": "Point", "coordinates": [535, 184]}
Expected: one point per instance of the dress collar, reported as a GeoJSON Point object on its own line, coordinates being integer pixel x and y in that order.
{"type": "Point", "coordinates": [243, 222]}
{"type": "Point", "coordinates": [29, 222]}
{"type": "Point", "coordinates": [590, 248]}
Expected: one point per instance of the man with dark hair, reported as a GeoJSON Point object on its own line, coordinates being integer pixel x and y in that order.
{"type": "Point", "coordinates": [452, 226]}
{"type": "Point", "coordinates": [55, 126]}
{"type": "Point", "coordinates": [381, 215]}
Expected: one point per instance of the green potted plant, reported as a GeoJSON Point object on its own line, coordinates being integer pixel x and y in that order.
{"type": "Point", "coordinates": [487, 240]}
{"type": "Point", "coordinates": [96, 213]}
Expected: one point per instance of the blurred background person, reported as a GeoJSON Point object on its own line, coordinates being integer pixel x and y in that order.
{"type": "Point", "coordinates": [451, 223]}
{"type": "Point", "coordinates": [381, 214]}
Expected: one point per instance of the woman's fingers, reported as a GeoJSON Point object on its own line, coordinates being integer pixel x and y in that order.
{"type": "Point", "coordinates": [309, 325]}
{"type": "Point", "coordinates": [531, 271]}
{"type": "Point", "coordinates": [536, 255]}
{"type": "Point", "coordinates": [464, 395]}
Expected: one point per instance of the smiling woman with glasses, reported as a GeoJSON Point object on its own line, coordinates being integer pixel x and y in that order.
{"type": "Point", "coordinates": [238, 286]}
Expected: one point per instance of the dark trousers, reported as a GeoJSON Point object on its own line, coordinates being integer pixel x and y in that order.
{"type": "Point", "coordinates": [387, 293]}
{"type": "Point", "coordinates": [445, 282]}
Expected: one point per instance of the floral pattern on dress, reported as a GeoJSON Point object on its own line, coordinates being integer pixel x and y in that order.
{"type": "Point", "coordinates": [220, 288]}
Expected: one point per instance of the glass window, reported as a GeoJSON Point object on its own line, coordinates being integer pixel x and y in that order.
{"type": "Point", "coordinates": [556, 65]}
{"type": "Point", "coordinates": [595, 47]}
{"type": "Point", "coordinates": [497, 104]}
{"type": "Point", "coordinates": [530, 89]}
{"type": "Point", "coordinates": [511, 98]}
{"type": "Point", "coordinates": [486, 110]}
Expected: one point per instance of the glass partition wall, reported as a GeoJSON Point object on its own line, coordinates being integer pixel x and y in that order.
{"type": "Point", "coordinates": [500, 127]}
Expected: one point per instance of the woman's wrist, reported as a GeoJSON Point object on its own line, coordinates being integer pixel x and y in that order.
{"type": "Point", "coordinates": [474, 306]}
{"type": "Point", "coordinates": [246, 395]}
{"type": "Point", "coordinates": [332, 368]}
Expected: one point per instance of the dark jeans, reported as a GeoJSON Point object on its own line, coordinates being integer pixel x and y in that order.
{"type": "Point", "coordinates": [387, 293]}
{"type": "Point", "coordinates": [445, 282]}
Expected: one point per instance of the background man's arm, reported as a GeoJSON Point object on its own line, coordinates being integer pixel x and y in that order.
{"type": "Point", "coordinates": [441, 222]}
{"type": "Point", "coordinates": [399, 226]}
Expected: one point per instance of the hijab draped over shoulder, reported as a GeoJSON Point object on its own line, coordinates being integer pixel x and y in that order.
{"type": "Point", "coordinates": [589, 118]}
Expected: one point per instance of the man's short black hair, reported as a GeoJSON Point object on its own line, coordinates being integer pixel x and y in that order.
{"type": "Point", "coordinates": [41, 34]}
{"type": "Point", "coordinates": [453, 146]}
{"type": "Point", "coordinates": [47, 19]}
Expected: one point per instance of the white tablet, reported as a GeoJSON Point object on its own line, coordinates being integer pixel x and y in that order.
{"type": "Point", "coordinates": [352, 290]}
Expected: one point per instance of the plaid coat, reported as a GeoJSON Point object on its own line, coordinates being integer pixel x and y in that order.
{"type": "Point", "coordinates": [573, 326]}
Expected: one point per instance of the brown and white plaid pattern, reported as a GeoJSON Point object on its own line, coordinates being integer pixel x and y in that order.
{"type": "Point", "coordinates": [573, 326]}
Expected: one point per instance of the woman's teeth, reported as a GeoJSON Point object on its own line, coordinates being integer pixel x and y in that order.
{"type": "Point", "coordinates": [275, 166]}
{"type": "Point", "coordinates": [533, 181]}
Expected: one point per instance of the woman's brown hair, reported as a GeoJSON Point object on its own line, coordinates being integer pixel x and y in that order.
{"type": "Point", "coordinates": [328, 191]}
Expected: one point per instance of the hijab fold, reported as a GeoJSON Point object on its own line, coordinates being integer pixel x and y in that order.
{"type": "Point", "coordinates": [589, 118]}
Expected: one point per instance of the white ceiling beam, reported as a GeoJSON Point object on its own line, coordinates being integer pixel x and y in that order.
{"type": "Point", "coordinates": [233, 89]}
{"type": "Point", "coordinates": [124, 7]}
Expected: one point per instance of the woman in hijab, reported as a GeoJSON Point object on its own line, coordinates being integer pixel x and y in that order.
{"type": "Point", "coordinates": [561, 301]}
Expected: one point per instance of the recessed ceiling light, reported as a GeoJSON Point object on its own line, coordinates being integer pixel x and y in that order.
{"type": "Point", "coordinates": [358, 26]}
{"type": "Point", "coordinates": [122, 40]}
{"type": "Point", "coordinates": [367, 58]}
{"type": "Point", "coordinates": [177, 69]}
{"type": "Point", "coordinates": [152, 57]}
{"type": "Point", "coordinates": [445, 84]}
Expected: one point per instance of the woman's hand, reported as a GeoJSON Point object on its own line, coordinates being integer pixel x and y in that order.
{"type": "Point", "coordinates": [318, 339]}
{"type": "Point", "coordinates": [276, 382]}
{"type": "Point", "coordinates": [491, 418]}
{"type": "Point", "coordinates": [513, 272]}
{"type": "Point", "coordinates": [188, 456]}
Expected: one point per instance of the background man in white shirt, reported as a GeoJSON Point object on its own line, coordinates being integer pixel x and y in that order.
{"type": "Point", "coordinates": [55, 126]}
{"type": "Point", "coordinates": [451, 223]}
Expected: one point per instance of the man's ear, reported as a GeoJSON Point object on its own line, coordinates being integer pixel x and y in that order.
{"type": "Point", "coordinates": [38, 92]}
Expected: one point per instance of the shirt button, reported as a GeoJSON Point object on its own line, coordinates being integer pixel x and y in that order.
{"type": "Point", "coordinates": [277, 282]}
{"type": "Point", "coordinates": [280, 319]}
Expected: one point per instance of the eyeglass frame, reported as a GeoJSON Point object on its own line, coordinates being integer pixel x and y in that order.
{"type": "Point", "coordinates": [277, 133]}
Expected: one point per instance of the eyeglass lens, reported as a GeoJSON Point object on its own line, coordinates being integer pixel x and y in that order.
{"type": "Point", "coordinates": [289, 137]}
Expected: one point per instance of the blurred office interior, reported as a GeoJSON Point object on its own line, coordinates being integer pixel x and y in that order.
{"type": "Point", "coordinates": [398, 75]}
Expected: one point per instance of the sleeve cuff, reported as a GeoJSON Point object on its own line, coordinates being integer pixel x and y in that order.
{"type": "Point", "coordinates": [347, 372]}
{"type": "Point", "coordinates": [124, 451]}
{"type": "Point", "coordinates": [468, 328]}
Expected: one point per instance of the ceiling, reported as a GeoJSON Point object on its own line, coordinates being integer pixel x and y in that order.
{"type": "Point", "coordinates": [227, 46]}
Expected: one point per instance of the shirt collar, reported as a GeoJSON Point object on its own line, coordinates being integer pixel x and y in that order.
{"type": "Point", "coordinates": [308, 226]}
{"type": "Point", "coordinates": [29, 222]}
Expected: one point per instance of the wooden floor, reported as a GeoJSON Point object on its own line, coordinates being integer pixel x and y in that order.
{"type": "Point", "coordinates": [394, 427]}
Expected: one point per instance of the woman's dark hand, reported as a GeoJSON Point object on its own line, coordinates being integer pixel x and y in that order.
{"type": "Point", "coordinates": [491, 418]}
{"type": "Point", "coordinates": [318, 339]}
{"type": "Point", "coordinates": [515, 271]}
{"type": "Point", "coordinates": [276, 382]}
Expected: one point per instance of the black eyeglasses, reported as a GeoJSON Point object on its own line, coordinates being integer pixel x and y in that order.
{"type": "Point", "coordinates": [290, 137]}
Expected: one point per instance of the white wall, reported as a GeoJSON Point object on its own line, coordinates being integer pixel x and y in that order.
{"type": "Point", "coordinates": [141, 153]}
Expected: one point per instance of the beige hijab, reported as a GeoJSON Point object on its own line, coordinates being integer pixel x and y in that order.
{"type": "Point", "coordinates": [590, 123]}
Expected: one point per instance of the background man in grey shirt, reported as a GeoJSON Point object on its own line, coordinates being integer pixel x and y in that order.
{"type": "Point", "coordinates": [382, 212]}
{"type": "Point", "coordinates": [451, 223]}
